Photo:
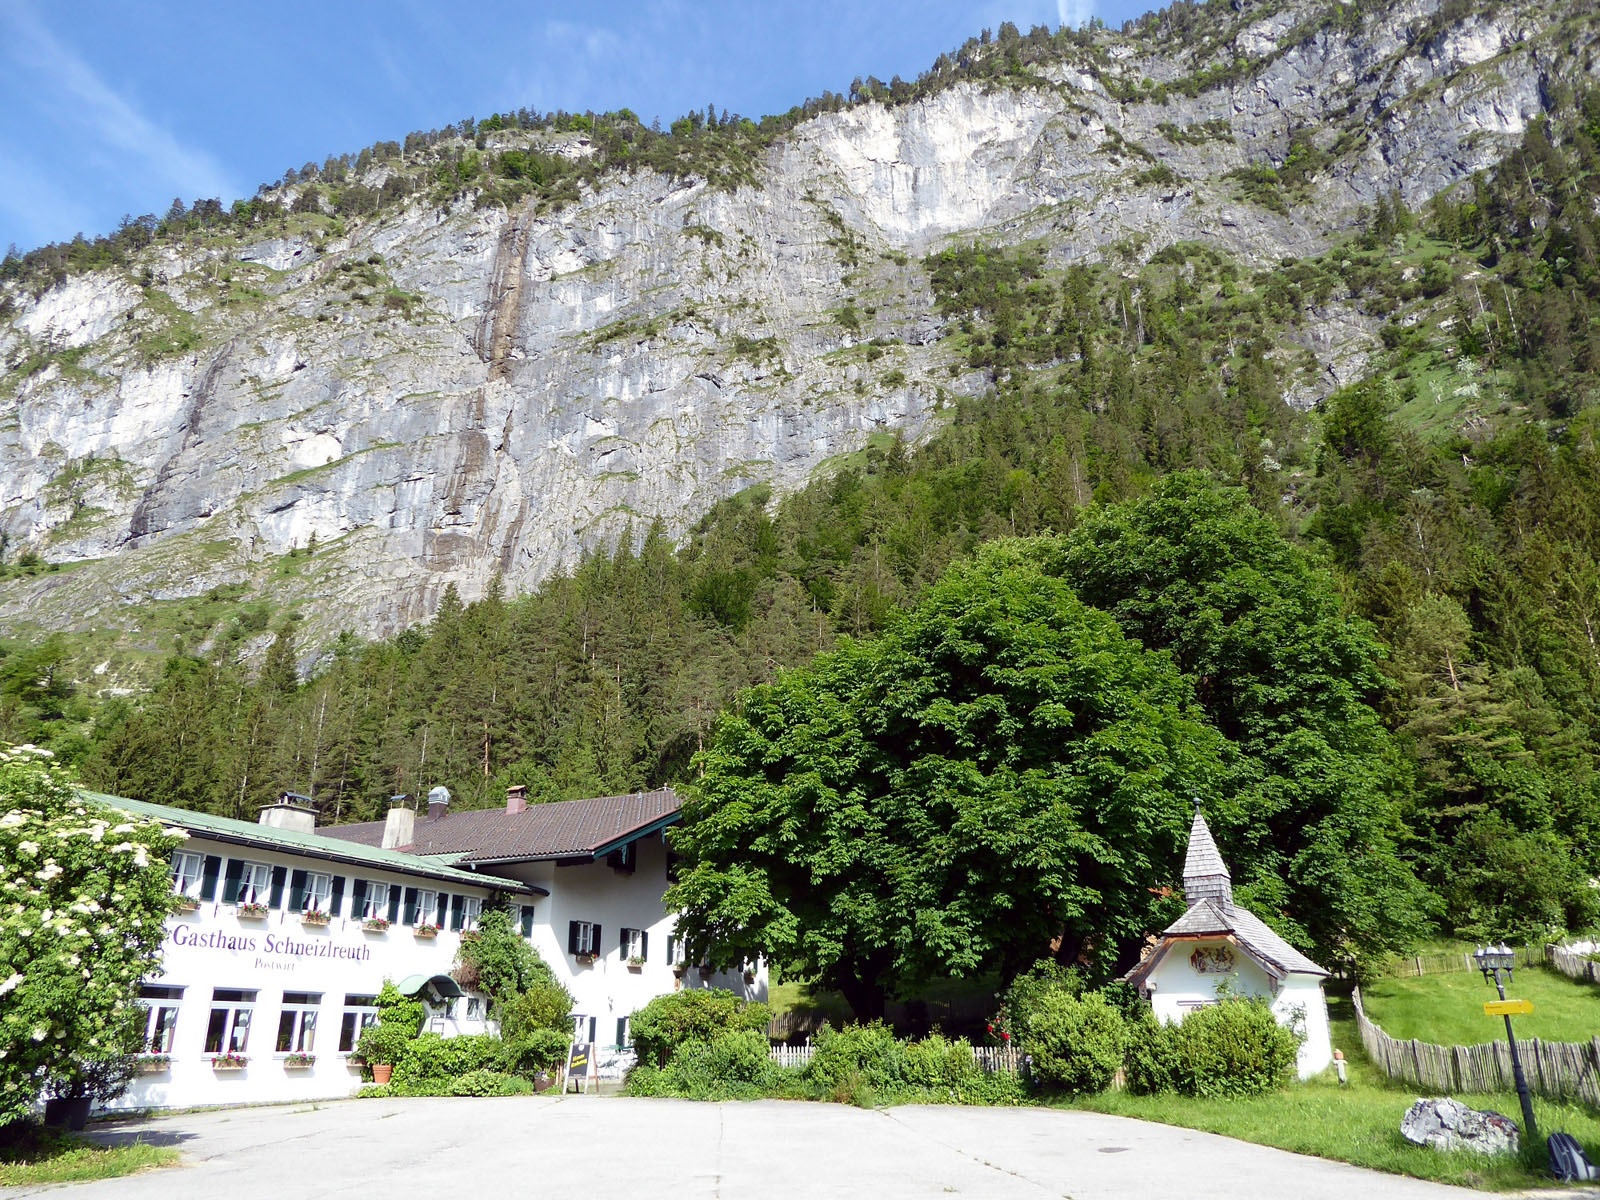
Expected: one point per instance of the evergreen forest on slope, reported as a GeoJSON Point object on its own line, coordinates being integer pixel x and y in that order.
{"type": "Point", "coordinates": [1439, 520]}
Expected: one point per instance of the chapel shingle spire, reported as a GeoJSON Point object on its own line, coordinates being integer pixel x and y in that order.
{"type": "Point", "coordinates": [1205, 875]}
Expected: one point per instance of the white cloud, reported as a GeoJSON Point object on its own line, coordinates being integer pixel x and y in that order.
{"type": "Point", "coordinates": [69, 86]}
{"type": "Point", "coordinates": [1075, 13]}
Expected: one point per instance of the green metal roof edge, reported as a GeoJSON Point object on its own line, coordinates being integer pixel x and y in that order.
{"type": "Point", "coordinates": [336, 849]}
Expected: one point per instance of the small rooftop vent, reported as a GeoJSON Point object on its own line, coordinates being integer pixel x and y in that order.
{"type": "Point", "coordinates": [438, 803]}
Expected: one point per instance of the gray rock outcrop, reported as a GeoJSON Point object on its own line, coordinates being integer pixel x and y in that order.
{"type": "Point", "coordinates": [1447, 1124]}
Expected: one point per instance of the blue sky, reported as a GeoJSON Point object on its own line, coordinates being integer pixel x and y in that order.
{"type": "Point", "coordinates": [111, 108]}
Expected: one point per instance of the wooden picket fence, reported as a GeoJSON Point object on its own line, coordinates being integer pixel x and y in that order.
{"type": "Point", "coordinates": [1558, 1070]}
{"type": "Point", "coordinates": [993, 1059]}
{"type": "Point", "coordinates": [1575, 962]}
{"type": "Point", "coordinates": [1412, 965]}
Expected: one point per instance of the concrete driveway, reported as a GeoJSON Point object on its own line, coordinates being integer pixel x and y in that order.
{"type": "Point", "coordinates": [603, 1147]}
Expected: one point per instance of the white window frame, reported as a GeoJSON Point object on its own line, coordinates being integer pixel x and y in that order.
{"type": "Point", "coordinates": [474, 1008]}
{"type": "Point", "coordinates": [632, 943]}
{"type": "Point", "coordinates": [161, 1005]}
{"type": "Point", "coordinates": [471, 910]}
{"type": "Point", "coordinates": [188, 873]}
{"type": "Point", "coordinates": [255, 883]}
{"type": "Point", "coordinates": [376, 902]}
{"type": "Point", "coordinates": [298, 1018]}
{"type": "Point", "coordinates": [585, 940]}
{"type": "Point", "coordinates": [238, 1006]}
{"type": "Point", "coordinates": [355, 1020]}
{"type": "Point", "coordinates": [428, 907]}
{"type": "Point", "coordinates": [318, 896]}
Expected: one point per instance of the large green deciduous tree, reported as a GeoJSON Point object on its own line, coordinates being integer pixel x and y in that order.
{"type": "Point", "coordinates": [1312, 818]}
{"type": "Point", "coordinates": [1004, 772]}
{"type": "Point", "coordinates": [84, 891]}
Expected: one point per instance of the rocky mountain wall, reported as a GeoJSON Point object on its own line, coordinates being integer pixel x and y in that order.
{"type": "Point", "coordinates": [441, 396]}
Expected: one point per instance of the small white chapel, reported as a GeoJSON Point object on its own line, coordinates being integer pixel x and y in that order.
{"type": "Point", "coordinates": [1218, 943]}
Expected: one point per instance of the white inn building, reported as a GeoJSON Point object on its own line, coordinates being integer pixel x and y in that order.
{"type": "Point", "coordinates": [287, 931]}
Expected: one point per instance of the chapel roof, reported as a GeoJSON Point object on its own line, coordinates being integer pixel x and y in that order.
{"type": "Point", "coordinates": [1208, 887]}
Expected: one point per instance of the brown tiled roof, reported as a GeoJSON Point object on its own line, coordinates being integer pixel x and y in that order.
{"type": "Point", "coordinates": [565, 829]}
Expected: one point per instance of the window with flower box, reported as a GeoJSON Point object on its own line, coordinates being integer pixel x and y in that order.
{"type": "Point", "coordinates": [253, 883]}
{"type": "Point", "coordinates": [316, 892]}
{"type": "Point", "coordinates": [583, 938]}
{"type": "Point", "coordinates": [360, 1014]}
{"type": "Point", "coordinates": [228, 1031]}
{"type": "Point", "coordinates": [425, 907]}
{"type": "Point", "coordinates": [194, 876]}
{"type": "Point", "coordinates": [161, 1016]}
{"type": "Point", "coordinates": [297, 1022]}
{"type": "Point", "coordinates": [635, 946]}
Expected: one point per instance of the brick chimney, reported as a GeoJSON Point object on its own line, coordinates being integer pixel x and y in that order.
{"type": "Point", "coordinates": [517, 798]}
{"type": "Point", "coordinates": [400, 826]}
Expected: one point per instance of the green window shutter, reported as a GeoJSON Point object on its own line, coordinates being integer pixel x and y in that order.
{"type": "Point", "coordinates": [411, 906]}
{"type": "Point", "coordinates": [644, 944]}
{"type": "Point", "coordinates": [230, 882]}
{"type": "Point", "coordinates": [336, 898]}
{"type": "Point", "coordinates": [297, 891]}
{"type": "Point", "coordinates": [456, 915]}
{"type": "Point", "coordinates": [597, 946]}
{"type": "Point", "coordinates": [279, 874]}
{"type": "Point", "coordinates": [358, 898]}
{"type": "Point", "coordinates": [394, 904]}
{"type": "Point", "coordinates": [572, 937]}
{"type": "Point", "coordinates": [208, 877]}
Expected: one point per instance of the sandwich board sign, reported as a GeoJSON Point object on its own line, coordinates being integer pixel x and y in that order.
{"type": "Point", "coordinates": [578, 1058]}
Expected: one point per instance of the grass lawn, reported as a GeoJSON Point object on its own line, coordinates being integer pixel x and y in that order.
{"type": "Point", "coordinates": [48, 1157]}
{"type": "Point", "coordinates": [1448, 1009]}
{"type": "Point", "coordinates": [1359, 1123]}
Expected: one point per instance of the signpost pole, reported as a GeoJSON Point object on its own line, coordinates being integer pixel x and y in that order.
{"type": "Point", "coordinates": [1516, 1066]}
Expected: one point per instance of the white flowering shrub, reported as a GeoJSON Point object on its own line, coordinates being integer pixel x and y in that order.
{"type": "Point", "coordinates": [83, 894]}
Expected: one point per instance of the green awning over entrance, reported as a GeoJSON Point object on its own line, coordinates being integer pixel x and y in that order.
{"type": "Point", "coordinates": [446, 987]}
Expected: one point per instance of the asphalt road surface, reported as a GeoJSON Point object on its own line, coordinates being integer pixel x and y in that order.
{"type": "Point", "coordinates": [600, 1148]}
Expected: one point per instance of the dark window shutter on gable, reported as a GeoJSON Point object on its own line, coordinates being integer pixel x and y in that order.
{"type": "Point", "coordinates": [572, 937]}
{"type": "Point", "coordinates": [411, 906]}
{"type": "Point", "coordinates": [336, 899]}
{"type": "Point", "coordinates": [279, 874]}
{"type": "Point", "coordinates": [644, 944]}
{"type": "Point", "coordinates": [527, 920]}
{"type": "Point", "coordinates": [208, 877]}
{"type": "Point", "coordinates": [358, 898]}
{"type": "Point", "coordinates": [230, 884]}
{"type": "Point", "coordinates": [297, 891]}
{"type": "Point", "coordinates": [595, 944]}
{"type": "Point", "coordinates": [394, 904]}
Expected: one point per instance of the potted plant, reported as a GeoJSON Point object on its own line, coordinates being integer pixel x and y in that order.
{"type": "Point", "coordinates": [251, 910]}
{"type": "Point", "coordinates": [153, 1064]}
{"type": "Point", "coordinates": [585, 959]}
{"type": "Point", "coordinates": [679, 968]}
{"type": "Point", "coordinates": [231, 1060]}
{"type": "Point", "coordinates": [707, 970]}
{"type": "Point", "coordinates": [381, 1046]}
{"type": "Point", "coordinates": [374, 924]}
{"type": "Point", "coordinates": [425, 930]}
{"type": "Point", "coordinates": [314, 916]}
{"type": "Point", "coordinates": [299, 1061]}
{"type": "Point", "coordinates": [635, 963]}
{"type": "Point", "coordinates": [185, 904]}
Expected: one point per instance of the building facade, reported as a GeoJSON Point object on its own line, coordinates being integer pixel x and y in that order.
{"type": "Point", "coordinates": [287, 932]}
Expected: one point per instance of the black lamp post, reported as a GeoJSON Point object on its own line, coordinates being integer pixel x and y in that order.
{"type": "Point", "coordinates": [1491, 961]}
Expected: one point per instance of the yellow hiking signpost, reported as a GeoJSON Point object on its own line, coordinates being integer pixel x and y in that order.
{"type": "Point", "coordinates": [1507, 1008]}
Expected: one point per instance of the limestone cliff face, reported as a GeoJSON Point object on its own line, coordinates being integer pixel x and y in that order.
{"type": "Point", "coordinates": [441, 396]}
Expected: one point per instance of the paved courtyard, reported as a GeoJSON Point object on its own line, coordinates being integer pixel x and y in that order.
{"type": "Point", "coordinates": [602, 1148]}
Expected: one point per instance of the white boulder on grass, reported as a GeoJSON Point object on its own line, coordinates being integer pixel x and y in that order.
{"type": "Point", "coordinates": [1447, 1124]}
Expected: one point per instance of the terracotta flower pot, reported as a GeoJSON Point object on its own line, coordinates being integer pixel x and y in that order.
{"type": "Point", "coordinates": [381, 1072]}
